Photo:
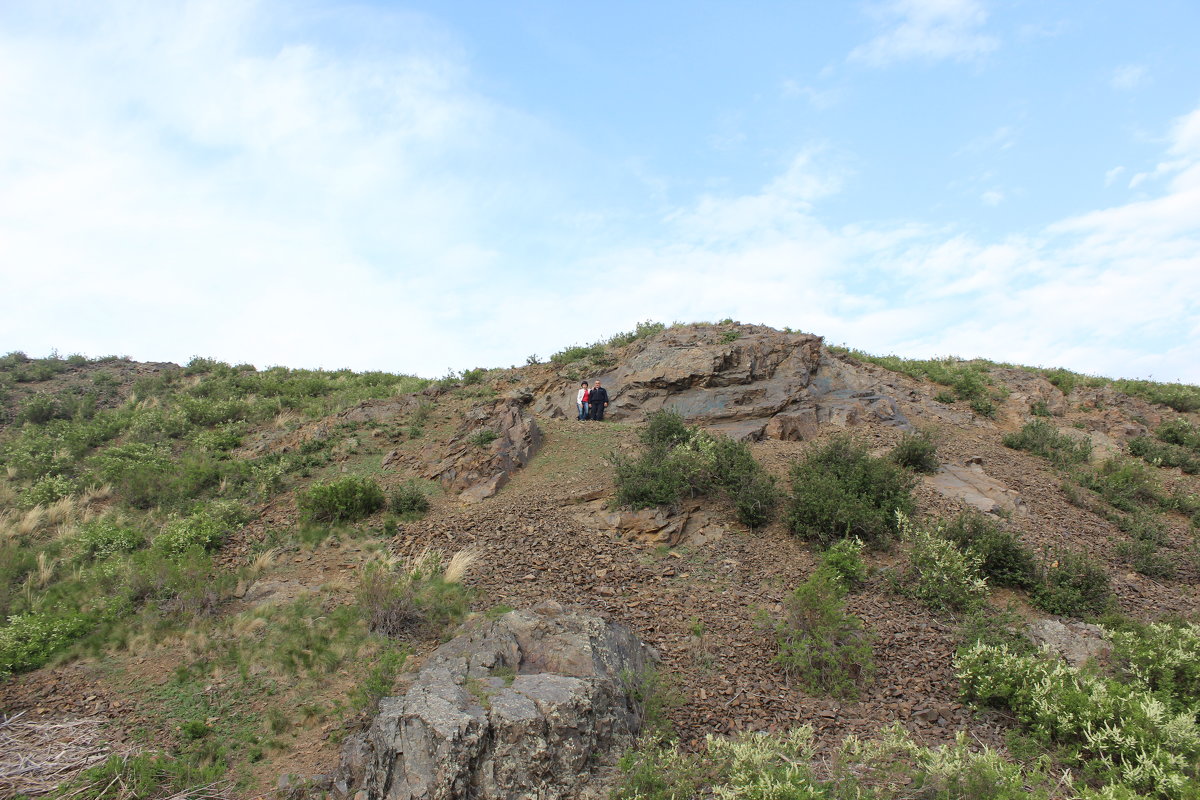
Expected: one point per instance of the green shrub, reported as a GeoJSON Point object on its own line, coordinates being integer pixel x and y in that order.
{"type": "Point", "coordinates": [1040, 409]}
{"type": "Point", "coordinates": [1162, 658]}
{"type": "Point", "coordinates": [1005, 561]}
{"type": "Point", "coordinates": [205, 528]}
{"type": "Point", "coordinates": [408, 500]}
{"type": "Point", "coordinates": [940, 575]}
{"type": "Point", "coordinates": [1043, 439]}
{"type": "Point", "coordinates": [665, 428]}
{"type": "Point", "coordinates": [483, 437]}
{"type": "Point", "coordinates": [1179, 396]}
{"type": "Point", "coordinates": [641, 331]}
{"type": "Point", "coordinates": [579, 353]}
{"type": "Point", "coordinates": [1073, 585]}
{"type": "Point", "coordinates": [682, 460]}
{"type": "Point", "coordinates": [1147, 559]}
{"type": "Point", "coordinates": [341, 500]}
{"type": "Point", "coordinates": [916, 451]}
{"type": "Point", "coordinates": [1126, 736]}
{"type": "Point", "coordinates": [1162, 454]}
{"type": "Point", "coordinates": [1126, 484]}
{"type": "Point", "coordinates": [39, 409]}
{"type": "Point", "coordinates": [844, 560]}
{"type": "Point", "coordinates": [1181, 432]}
{"type": "Point", "coordinates": [983, 406]}
{"type": "Point", "coordinates": [821, 645]}
{"type": "Point", "coordinates": [46, 490]}
{"type": "Point", "coordinates": [28, 641]}
{"type": "Point", "coordinates": [840, 490]}
{"type": "Point", "coordinates": [102, 538]}
{"type": "Point", "coordinates": [425, 597]}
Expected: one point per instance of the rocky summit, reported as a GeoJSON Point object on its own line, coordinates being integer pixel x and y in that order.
{"type": "Point", "coordinates": [242, 582]}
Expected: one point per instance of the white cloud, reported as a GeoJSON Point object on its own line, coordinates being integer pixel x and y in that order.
{"type": "Point", "coordinates": [1111, 176]}
{"type": "Point", "coordinates": [1129, 76]}
{"type": "Point", "coordinates": [926, 30]}
{"type": "Point", "coordinates": [992, 197]}
{"type": "Point", "coordinates": [179, 183]}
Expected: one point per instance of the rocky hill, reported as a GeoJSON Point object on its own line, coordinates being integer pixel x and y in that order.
{"type": "Point", "coordinates": [179, 578]}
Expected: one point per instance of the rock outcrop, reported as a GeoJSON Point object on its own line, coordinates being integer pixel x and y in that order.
{"type": "Point", "coordinates": [494, 441]}
{"type": "Point", "coordinates": [758, 382]}
{"type": "Point", "coordinates": [537, 703]}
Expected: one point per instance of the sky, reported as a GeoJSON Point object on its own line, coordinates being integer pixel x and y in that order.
{"type": "Point", "coordinates": [426, 187]}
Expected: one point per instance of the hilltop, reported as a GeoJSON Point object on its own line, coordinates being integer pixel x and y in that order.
{"type": "Point", "coordinates": [188, 553]}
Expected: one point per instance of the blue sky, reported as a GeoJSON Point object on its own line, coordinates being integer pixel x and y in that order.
{"type": "Point", "coordinates": [427, 186]}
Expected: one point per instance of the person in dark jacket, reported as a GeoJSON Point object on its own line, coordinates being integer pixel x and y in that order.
{"type": "Point", "coordinates": [598, 400]}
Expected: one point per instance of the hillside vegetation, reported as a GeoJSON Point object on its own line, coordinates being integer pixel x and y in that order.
{"type": "Point", "coordinates": [228, 567]}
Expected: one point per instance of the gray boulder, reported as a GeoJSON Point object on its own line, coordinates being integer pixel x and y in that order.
{"type": "Point", "coordinates": [536, 703]}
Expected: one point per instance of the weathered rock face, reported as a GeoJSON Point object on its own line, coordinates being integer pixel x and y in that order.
{"type": "Point", "coordinates": [760, 383]}
{"type": "Point", "coordinates": [534, 704]}
{"type": "Point", "coordinates": [478, 472]}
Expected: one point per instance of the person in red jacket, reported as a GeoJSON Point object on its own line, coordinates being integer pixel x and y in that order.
{"type": "Point", "coordinates": [581, 401]}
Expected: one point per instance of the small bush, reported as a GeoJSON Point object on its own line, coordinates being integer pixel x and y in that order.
{"type": "Point", "coordinates": [46, 490]}
{"type": "Point", "coordinates": [1005, 561]}
{"type": "Point", "coordinates": [940, 575]}
{"type": "Point", "coordinates": [408, 500]}
{"type": "Point", "coordinates": [205, 529]}
{"type": "Point", "coordinates": [1043, 439]}
{"type": "Point", "coordinates": [665, 429]}
{"type": "Point", "coordinates": [916, 451]}
{"type": "Point", "coordinates": [102, 538]}
{"type": "Point", "coordinates": [342, 500]}
{"type": "Point", "coordinates": [1162, 454]}
{"type": "Point", "coordinates": [1125, 736]}
{"type": "Point", "coordinates": [423, 598]}
{"type": "Point", "coordinates": [840, 490]}
{"type": "Point", "coordinates": [1181, 432]}
{"type": "Point", "coordinates": [1162, 658]}
{"type": "Point", "coordinates": [1126, 484]}
{"type": "Point", "coordinates": [28, 641]}
{"type": "Point", "coordinates": [483, 437]}
{"type": "Point", "coordinates": [844, 560]}
{"type": "Point", "coordinates": [1073, 585]}
{"type": "Point", "coordinates": [821, 645]}
{"type": "Point", "coordinates": [681, 460]}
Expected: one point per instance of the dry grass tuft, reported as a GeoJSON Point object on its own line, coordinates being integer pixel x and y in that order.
{"type": "Point", "coordinates": [287, 419]}
{"type": "Point", "coordinates": [45, 569]}
{"type": "Point", "coordinates": [95, 493]}
{"type": "Point", "coordinates": [64, 509]}
{"type": "Point", "coordinates": [31, 521]}
{"type": "Point", "coordinates": [460, 562]}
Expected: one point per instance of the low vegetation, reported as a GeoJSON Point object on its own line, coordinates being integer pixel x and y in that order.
{"type": "Point", "coordinates": [821, 645]}
{"type": "Point", "coordinates": [683, 461]}
{"type": "Point", "coordinates": [840, 490]}
{"type": "Point", "coordinates": [1042, 438]}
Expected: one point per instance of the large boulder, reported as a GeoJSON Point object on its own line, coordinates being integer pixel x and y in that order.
{"type": "Point", "coordinates": [536, 703]}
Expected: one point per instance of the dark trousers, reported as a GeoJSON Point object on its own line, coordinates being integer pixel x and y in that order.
{"type": "Point", "coordinates": [598, 411]}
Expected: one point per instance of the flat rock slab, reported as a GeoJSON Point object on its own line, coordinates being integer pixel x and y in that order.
{"type": "Point", "coordinates": [971, 484]}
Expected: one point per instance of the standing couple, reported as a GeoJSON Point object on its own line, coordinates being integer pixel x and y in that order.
{"type": "Point", "coordinates": [591, 402]}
